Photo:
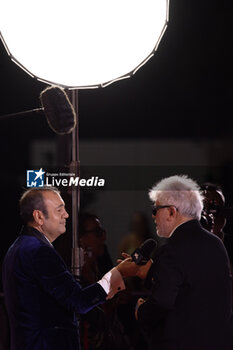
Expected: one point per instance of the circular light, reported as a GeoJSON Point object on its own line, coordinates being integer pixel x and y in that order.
{"type": "Point", "coordinates": [86, 43]}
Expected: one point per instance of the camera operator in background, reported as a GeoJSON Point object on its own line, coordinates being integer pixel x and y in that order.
{"type": "Point", "coordinates": [215, 214]}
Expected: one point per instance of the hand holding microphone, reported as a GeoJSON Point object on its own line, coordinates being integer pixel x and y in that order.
{"type": "Point", "coordinates": [143, 254]}
{"type": "Point", "coordinates": [139, 263]}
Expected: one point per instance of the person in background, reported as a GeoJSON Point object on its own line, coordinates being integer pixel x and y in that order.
{"type": "Point", "coordinates": [139, 231]}
{"type": "Point", "coordinates": [100, 327]}
{"type": "Point", "coordinates": [92, 238]}
{"type": "Point", "coordinates": [214, 217]}
{"type": "Point", "coordinates": [215, 214]}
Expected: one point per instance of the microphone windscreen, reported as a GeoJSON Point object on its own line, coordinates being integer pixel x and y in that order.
{"type": "Point", "coordinates": [147, 248]}
{"type": "Point", "coordinates": [58, 110]}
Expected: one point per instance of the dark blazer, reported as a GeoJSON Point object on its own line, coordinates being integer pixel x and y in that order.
{"type": "Point", "coordinates": [190, 303]}
{"type": "Point", "coordinates": [42, 297]}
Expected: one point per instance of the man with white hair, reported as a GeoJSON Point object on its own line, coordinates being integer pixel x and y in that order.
{"type": "Point", "coordinates": [189, 307]}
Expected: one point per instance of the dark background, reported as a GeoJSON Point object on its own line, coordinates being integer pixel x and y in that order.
{"type": "Point", "coordinates": [183, 92]}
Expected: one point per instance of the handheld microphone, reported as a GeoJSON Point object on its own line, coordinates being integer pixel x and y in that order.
{"type": "Point", "coordinates": [58, 110]}
{"type": "Point", "coordinates": [143, 254]}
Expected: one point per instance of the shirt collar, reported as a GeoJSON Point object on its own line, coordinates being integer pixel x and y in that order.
{"type": "Point", "coordinates": [31, 231]}
{"type": "Point", "coordinates": [178, 226]}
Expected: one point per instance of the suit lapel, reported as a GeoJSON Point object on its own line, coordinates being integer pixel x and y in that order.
{"type": "Point", "coordinates": [30, 231]}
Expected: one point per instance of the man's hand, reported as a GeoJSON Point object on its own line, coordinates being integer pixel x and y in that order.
{"type": "Point", "coordinates": [140, 270]}
{"type": "Point", "coordinates": [127, 267]}
{"type": "Point", "coordinates": [139, 303]}
{"type": "Point", "coordinates": [143, 269]}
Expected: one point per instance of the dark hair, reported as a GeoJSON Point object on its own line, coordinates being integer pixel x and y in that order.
{"type": "Point", "coordinates": [33, 199]}
{"type": "Point", "coordinates": [83, 218]}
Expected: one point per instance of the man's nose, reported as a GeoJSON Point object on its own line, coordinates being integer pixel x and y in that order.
{"type": "Point", "coordinates": [66, 215]}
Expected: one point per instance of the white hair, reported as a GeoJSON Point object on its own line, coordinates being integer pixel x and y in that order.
{"type": "Point", "coordinates": [180, 191]}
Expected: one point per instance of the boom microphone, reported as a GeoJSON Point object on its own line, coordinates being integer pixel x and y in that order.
{"type": "Point", "coordinates": [58, 110]}
{"type": "Point", "coordinates": [141, 255]}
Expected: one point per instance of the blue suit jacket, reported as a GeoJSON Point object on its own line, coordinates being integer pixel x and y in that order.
{"type": "Point", "coordinates": [42, 297]}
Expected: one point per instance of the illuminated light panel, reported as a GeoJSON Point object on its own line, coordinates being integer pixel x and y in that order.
{"type": "Point", "coordinates": [80, 44]}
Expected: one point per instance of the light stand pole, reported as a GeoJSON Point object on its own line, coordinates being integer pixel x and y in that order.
{"type": "Point", "coordinates": [75, 191]}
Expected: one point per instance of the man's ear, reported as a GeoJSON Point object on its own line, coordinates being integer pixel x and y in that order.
{"type": "Point", "coordinates": [172, 211]}
{"type": "Point", "coordinates": [38, 216]}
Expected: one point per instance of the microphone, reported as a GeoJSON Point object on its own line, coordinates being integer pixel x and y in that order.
{"type": "Point", "coordinates": [58, 110]}
{"type": "Point", "coordinates": [143, 254]}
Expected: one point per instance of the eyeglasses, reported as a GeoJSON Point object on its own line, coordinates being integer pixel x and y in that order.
{"type": "Point", "coordinates": [156, 208]}
{"type": "Point", "coordinates": [98, 231]}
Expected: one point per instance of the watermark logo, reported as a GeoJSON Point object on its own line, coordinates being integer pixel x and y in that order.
{"type": "Point", "coordinates": [40, 178]}
{"type": "Point", "coordinates": [35, 178]}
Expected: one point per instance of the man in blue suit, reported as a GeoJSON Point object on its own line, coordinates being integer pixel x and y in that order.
{"type": "Point", "coordinates": [42, 297]}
